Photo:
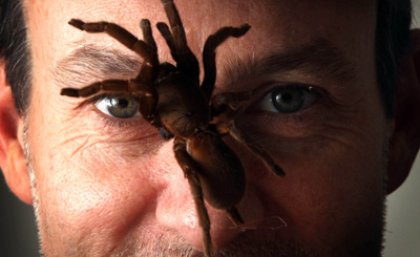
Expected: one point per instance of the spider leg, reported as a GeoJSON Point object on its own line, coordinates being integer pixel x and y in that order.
{"type": "Point", "coordinates": [177, 41]}
{"type": "Point", "coordinates": [147, 33]}
{"type": "Point", "coordinates": [176, 24]}
{"type": "Point", "coordinates": [112, 85]}
{"type": "Point", "coordinates": [235, 216]}
{"type": "Point", "coordinates": [147, 94]}
{"type": "Point", "coordinates": [269, 162]}
{"type": "Point", "coordinates": [209, 54]}
{"type": "Point", "coordinates": [148, 98]}
{"type": "Point", "coordinates": [148, 73]}
{"type": "Point", "coordinates": [224, 108]}
{"type": "Point", "coordinates": [149, 39]}
{"type": "Point", "coordinates": [120, 34]}
{"type": "Point", "coordinates": [170, 41]}
{"type": "Point", "coordinates": [229, 104]}
{"type": "Point", "coordinates": [185, 59]}
{"type": "Point", "coordinates": [190, 168]}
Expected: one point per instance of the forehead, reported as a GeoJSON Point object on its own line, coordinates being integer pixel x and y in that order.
{"type": "Point", "coordinates": [276, 24]}
{"type": "Point", "coordinates": [285, 18]}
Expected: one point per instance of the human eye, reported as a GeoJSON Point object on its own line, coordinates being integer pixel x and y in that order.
{"type": "Point", "coordinates": [288, 99]}
{"type": "Point", "coordinates": [118, 106]}
{"type": "Point", "coordinates": [290, 110]}
{"type": "Point", "coordinates": [109, 114]}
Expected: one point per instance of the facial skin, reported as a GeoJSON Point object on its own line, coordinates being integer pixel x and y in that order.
{"type": "Point", "coordinates": [109, 187]}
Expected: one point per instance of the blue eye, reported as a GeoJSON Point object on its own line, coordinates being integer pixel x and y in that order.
{"type": "Point", "coordinates": [288, 99]}
{"type": "Point", "coordinates": [118, 106]}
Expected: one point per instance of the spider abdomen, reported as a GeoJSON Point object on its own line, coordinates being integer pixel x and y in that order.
{"type": "Point", "coordinates": [221, 175]}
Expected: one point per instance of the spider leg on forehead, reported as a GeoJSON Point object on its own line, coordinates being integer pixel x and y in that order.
{"type": "Point", "coordinates": [185, 59]}
{"type": "Point", "coordinates": [176, 24]}
{"type": "Point", "coordinates": [121, 35]}
{"type": "Point", "coordinates": [147, 33]}
{"type": "Point", "coordinates": [150, 41]}
{"type": "Point", "coordinates": [177, 41]}
{"type": "Point", "coordinates": [209, 54]}
{"type": "Point", "coordinates": [170, 41]}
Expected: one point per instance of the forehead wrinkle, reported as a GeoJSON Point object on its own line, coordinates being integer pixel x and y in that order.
{"type": "Point", "coordinates": [90, 61]}
{"type": "Point", "coordinates": [319, 58]}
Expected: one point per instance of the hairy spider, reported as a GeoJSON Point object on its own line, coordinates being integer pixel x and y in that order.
{"type": "Point", "coordinates": [172, 99]}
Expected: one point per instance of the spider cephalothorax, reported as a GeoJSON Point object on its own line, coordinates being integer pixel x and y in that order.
{"type": "Point", "coordinates": [172, 99]}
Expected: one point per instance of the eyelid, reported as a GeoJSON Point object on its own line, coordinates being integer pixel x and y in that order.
{"type": "Point", "coordinates": [265, 102]}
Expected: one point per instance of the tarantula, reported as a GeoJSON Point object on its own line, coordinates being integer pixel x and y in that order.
{"type": "Point", "coordinates": [172, 99]}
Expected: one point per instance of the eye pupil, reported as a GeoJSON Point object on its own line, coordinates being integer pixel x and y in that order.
{"type": "Point", "coordinates": [120, 102]}
{"type": "Point", "coordinates": [285, 100]}
{"type": "Point", "coordinates": [287, 97]}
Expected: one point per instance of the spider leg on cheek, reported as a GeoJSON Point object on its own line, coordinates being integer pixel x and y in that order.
{"type": "Point", "coordinates": [225, 107]}
{"type": "Point", "coordinates": [240, 136]}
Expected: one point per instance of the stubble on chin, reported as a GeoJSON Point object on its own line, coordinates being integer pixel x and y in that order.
{"type": "Point", "coordinates": [168, 244]}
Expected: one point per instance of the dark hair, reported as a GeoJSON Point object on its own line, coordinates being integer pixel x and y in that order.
{"type": "Point", "coordinates": [392, 38]}
{"type": "Point", "coordinates": [392, 42]}
{"type": "Point", "coordinates": [14, 51]}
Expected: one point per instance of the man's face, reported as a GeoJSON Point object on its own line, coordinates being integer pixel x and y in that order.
{"type": "Point", "coordinates": [111, 187]}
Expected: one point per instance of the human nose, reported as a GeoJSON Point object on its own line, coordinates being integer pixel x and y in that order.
{"type": "Point", "coordinates": [177, 211]}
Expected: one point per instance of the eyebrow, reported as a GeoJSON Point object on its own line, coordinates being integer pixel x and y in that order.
{"type": "Point", "coordinates": [320, 58]}
{"type": "Point", "coordinates": [89, 62]}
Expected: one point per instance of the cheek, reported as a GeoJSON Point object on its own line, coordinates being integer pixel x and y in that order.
{"type": "Point", "coordinates": [332, 192]}
{"type": "Point", "coordinates": [85, 187]}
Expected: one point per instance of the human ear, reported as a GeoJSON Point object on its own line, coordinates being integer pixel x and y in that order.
{"type": "Point", "coordinates": [405, 140]}
{"type": "Point", "coordinates": [12, 158]}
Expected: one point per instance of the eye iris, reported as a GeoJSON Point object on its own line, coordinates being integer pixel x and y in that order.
{"type": "Point", "coordinates": [288, 100]}
{"type": "Point", "coordinates": [122, 107]}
